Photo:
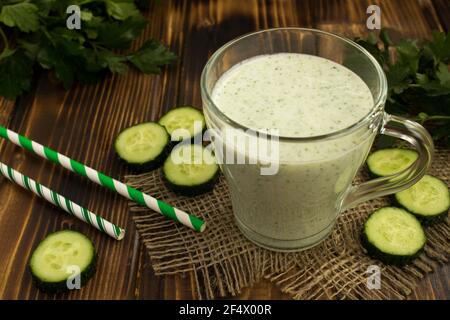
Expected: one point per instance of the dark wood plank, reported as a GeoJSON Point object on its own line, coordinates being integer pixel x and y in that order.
{"type": "Point", "coordinates": [83, 122]}
{"type": "Point", "coordinates": [442, 8]}
{"type": "Point", "coordinates": [55, 112]}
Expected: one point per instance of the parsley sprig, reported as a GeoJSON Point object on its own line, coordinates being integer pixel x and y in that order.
{"type": "Point", "coordinates": [33, 35]}
{"type": "Point", "coordinates": [418, 75]}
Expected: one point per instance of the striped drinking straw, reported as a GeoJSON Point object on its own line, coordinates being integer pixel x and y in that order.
{"type": "Point", "coordinates": [62, 202]}
{"type": "Point", "coordinates": [114, 185]}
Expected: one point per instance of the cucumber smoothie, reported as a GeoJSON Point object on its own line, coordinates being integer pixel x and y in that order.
{"type": "Point", "coordinates": [301, 96]}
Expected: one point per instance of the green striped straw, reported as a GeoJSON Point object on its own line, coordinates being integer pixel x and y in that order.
{"type": "Point", "coordinates": [121, 188]}
{"type": "Point", "coordinates": [62, 202]}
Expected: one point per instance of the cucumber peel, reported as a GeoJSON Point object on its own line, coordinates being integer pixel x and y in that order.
{"type": "Point", "coordinates": [60, 256]}
{"type": "Point", "coordinates": [386, 162]}
{"type": "Point", "coordinates": [393, 236]}
{"type": "Point", "coordinates": [197, 174]}
{"type": "Point", "coordinates": [143, 146]}
{"type": "Point", "coordinates": [190, 120]}
{"type": "Point", "coordinates": [428, 199]}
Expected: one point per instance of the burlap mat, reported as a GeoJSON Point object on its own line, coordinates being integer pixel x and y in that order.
{"type": "Point", "coordinates": [222, 262]}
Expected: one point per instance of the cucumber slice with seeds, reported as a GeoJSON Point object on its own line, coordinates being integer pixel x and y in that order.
{"type": "Point", "coordinates": [386, 162]}
{"type": "Point", "coordinates": [54, 260]}
{"type": "Point", "coordinates": [144, 146]}
{"type": "Point", "coordinates": [428, 199]}
{"type": "Point", "coordinates": [188, 118]}
{"type": "Point", "coordinates": [190, 170]}
{"type": "Point", "coordinates": [393, 235]}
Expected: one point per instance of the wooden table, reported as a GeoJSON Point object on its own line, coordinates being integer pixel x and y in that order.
{"type": "Point", "coordinates": [83, 122]}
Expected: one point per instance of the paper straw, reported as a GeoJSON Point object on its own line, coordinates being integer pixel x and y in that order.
{"type": "Point", "coordinates": [63, 203]}
{"type": "Point", "coordinates": [114, 185]}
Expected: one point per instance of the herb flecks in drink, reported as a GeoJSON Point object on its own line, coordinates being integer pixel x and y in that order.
{"type": "Point", "coordinates": [298, 89]}
{"type": "Point", "coordinates": [307, 96]}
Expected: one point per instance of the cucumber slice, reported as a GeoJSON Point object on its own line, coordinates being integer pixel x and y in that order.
{"type": "Point", "coordinates": [428, 199]}
{"type": "Point", "coordinates": [190, 170]}
{"type": "Point", "coordinates": [393, 236]}
{"type": "Point", "coordinates": [144, 146]}
{"type": "Point", "coordinates": [53, 260]}
{"type": "Point", "coordinates": [386, 162]}
{"type": "Point", "coordinates": [188, 118]}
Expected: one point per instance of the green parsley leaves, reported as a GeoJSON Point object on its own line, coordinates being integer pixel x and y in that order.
{"type": "Point", "coordinates": [150, 56]}
{"type": "Point", "coordinates": [15, 74]}
{"type": "Point", "coordinates": [418, 75]}
{"type": "Point", "coordinates": [22, 15]}
{"type": "Point", "coordinates": [33, 35]}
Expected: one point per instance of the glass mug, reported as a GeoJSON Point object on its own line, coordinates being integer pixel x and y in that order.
{"type": "Point", "coordinates": [297, 207]}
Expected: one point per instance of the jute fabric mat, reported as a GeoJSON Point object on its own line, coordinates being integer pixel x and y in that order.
{"type": "Point", "coordinates": [222, 261]}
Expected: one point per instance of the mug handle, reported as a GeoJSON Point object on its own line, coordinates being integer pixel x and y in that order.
{"type": "Point", "coordinates": [411, 132]}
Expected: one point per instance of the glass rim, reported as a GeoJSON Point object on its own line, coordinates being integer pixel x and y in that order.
{"type": "Point", "coordinates": [378, 102]}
